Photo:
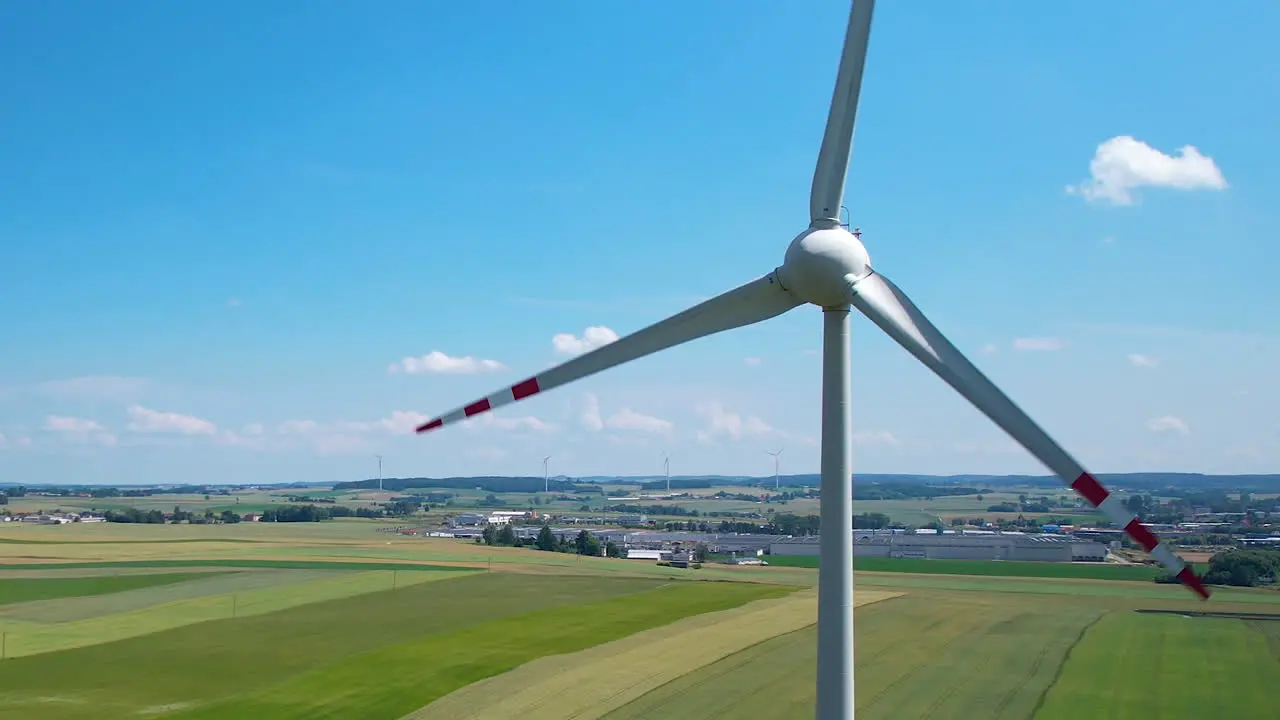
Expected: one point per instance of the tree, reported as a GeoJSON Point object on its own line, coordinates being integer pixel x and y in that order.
{"type": "Point", "coordinates": [586, 544]}
{"type": "Point", "coordinates": [489, 535]}
{"type": "Point", "coordinates": [507, 535]}
{"type": "Point", "coordinates": [612, 549]}
{"type": "Point", "coordinates": [546, 539]}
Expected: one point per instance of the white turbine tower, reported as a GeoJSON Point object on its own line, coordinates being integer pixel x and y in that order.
{"type": "Point", "coordinates": [546, 474]}
{"type": "Point", "coordinates": [776, 455]}
{"type": "Point", "coordinates": [827, 266]}
{"type": "Point", "coordinates": [379, 472]}
{"type": "Point", "coordinates": [666, 469]}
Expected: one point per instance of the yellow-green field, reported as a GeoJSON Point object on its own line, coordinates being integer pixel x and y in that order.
{"type": "Point", "coordinates": [344, 620]}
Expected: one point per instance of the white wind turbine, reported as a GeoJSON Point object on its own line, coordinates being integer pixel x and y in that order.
{"type": "Point", "coordinates": [666, 470]}
{"type": "Point", "coordinates": [827, 266]}
{"type": "Point", "coordinates": [546, 474]}
{"type": "Point", "coordinates": [776, 465]}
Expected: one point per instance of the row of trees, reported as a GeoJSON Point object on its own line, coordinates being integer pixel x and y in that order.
{"type": "Point", "coordinates": [583, 544]}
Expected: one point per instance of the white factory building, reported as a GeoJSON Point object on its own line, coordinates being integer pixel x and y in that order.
{"type": "Point", "coordinates": [956, 546]}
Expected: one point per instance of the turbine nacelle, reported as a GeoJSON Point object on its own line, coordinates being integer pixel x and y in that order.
{"type": "Point", "coordinates": [820, 264]}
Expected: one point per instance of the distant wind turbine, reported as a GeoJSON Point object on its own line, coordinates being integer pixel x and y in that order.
{"type": "Point", "coordinates": [546, 474]}
{"type": "Point", "coordinates": [379, 472]}
{"type": "Point", "coordinates": [666, 469]}
{"type": "Point", "coordinates": [776, 484]}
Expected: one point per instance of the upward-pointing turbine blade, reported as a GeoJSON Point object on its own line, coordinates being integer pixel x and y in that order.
{"type": "Point", "coordinates": [837, 139]}
{"type": "Point", "coordinates": [748, 304]}
{"type": "Point", "coordinates": [886, 306]}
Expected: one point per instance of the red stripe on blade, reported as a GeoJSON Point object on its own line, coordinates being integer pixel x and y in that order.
{"type": "Point", "coordinates": [1141, 535]}
{"type": "Point", "coordinates": [1090, 489]}
{"type": "Point", "coordinates": [522, 390]}
{"type": "Point", "coordinates": [476, 407]}
{"type": "Point", "coordinates": [1188, 577]}
{"type": "Point", "coordinates": [431, 425]}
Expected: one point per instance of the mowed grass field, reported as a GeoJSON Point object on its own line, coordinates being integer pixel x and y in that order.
{"type": "Point", "coordinates": [339, 620]}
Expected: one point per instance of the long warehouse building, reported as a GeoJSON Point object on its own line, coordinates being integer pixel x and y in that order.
{"type": "Point", "coordinates": [1000, 546]}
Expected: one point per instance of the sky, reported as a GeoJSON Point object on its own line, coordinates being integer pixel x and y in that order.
{"type": "Point", "coordinates": [259, 242]}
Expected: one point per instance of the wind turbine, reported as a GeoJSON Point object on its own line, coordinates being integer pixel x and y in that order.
{"type": "Point", "coordinates": [666, 469]}
{"type": "Point", "coordinates": [546, 474]}
{"type": "Point", "coordinates": [379, 472]}
{"type": "Point", "coordinates": [828, 266]}
{"type": "Point", "coordinates": [776, 455]}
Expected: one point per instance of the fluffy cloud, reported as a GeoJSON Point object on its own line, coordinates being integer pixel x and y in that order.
{"type": "Point", "coordinates": [989, 349]}
{"type": "Point", "coordinates": [521, 423]}
{"type": "Point", "coordinates": [437, 362]}
{"type": "Point", "coordinates": [146, 420]}
{"type": "Point", "coordinates": [624, 419]}
{"type": "Point", "coordinates": [628, 419]}
{"type": "Point", "coordinates": [1168, 423]}
{"type": "Point", "coordinates": [1142, 361]}
{"type": "Point", "coordinates": [592, 338]}
{"type": "Point", "coordinates": [721, 423]}
{"type": "Point", "coordinates": [1122, 164]}
{"type": "Point", "coordinates": [1038, 344]}
{"type": "Point", "coordinates": [79, 429]}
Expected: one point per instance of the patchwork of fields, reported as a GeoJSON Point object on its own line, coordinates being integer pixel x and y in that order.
{"type": "Point", "coordinates": [336, 620]}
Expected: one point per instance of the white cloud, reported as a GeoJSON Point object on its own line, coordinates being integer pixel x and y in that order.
{"type": "Point", "coordinates": [628, 419]}
{"type": "Point", "coordinates": [989, 349]}
{"type": "Point", "coordinates": [1142, 361]}
{"type": "Point", "coordinates": [79, 428]}
{"type": "Point", "coordinates": [753, 361]}
{"type": "Point", "coordinates": [94, 387]}
{"type": "Point", "coordinates": [722, 422]}
{"type": "Point", "coordinates": [1168, 423]}
{"type": "Point", "coordinates": [438, 362]}
{"type": "Point", "coordinates": [146, 420]}
{"type": "Point", "coordinates": [1122, 164]}
{"type": "Point", "coordinates": [590, 415]}
{"type": "Point", "coordinates": [402, 422]}
{"type": "Point", "coordinates": [1033, 344]}
{"type": "Point", "coordinates": [624, 419]}
{"type": "Point", "coordinates": [592, 338]}
{"type": "Point", "coordinates": [523, 422]}
{"type": "Point", "coordinates": [875, 437]}
{"type": "Point", "coordinates": [297, 427]}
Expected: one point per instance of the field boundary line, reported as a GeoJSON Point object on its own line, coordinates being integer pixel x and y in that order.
{"type": "Point", "coordinates": [1066, 658]}
{"type": "Point", "coordinates": [588, 684]}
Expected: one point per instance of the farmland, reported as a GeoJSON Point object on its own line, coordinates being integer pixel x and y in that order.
{"type": "Point", "coordinates": [337, 619]}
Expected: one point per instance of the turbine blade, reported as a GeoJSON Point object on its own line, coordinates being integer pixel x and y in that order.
{"type": "Point", "coordinates": [837, 139]}
{"type": "Point", "coordinates": [886, 306]}
{"type": "Point", "coordinates": [754, 302]}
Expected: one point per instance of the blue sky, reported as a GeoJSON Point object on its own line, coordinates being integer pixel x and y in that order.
{"type": "Point", "coordinates": [222, 224]}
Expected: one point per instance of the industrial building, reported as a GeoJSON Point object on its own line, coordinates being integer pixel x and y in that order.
{"type": "Point", "coordinates": [956, 546]}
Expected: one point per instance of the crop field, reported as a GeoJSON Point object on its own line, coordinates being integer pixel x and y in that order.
{"type": "Point", "coordinates": [342, 620]}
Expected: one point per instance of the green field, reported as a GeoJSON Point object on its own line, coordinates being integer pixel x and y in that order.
{"type": "Point", "coordinates": [343, 620]}
{"type": "Point", "coordinates": [14, 590]}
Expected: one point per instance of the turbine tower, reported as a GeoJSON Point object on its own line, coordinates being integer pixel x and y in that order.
{"type": "Point", "coordinates": [546, 474]}
{"type": "Point", "coordinates": [666, 469]}
{"type": "Point", "coordinates": [776, 455]}
{"type": "Point", "coordinates": [828, 266]}
{"type": "Point", "coordinates": [379, 472]}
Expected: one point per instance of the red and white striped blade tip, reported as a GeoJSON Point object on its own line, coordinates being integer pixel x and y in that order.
{"type": "Point", "coordinates": [1090, 489]}
{"type": "Point", "coordinates": [519, 391]}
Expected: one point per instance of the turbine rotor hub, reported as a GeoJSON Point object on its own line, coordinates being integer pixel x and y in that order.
{"type": "Point", "coordinates": [821, 262]}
